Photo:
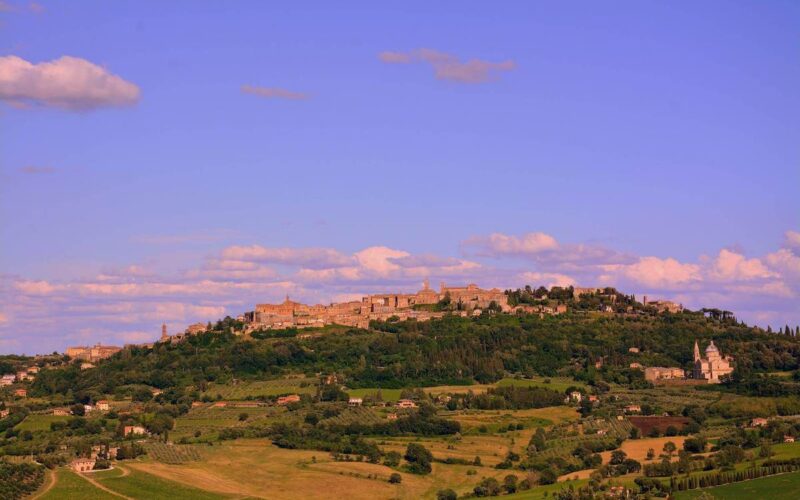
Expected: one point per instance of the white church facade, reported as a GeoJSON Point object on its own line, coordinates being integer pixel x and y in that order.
{"type": "Point", "coordinates": [713, 366]}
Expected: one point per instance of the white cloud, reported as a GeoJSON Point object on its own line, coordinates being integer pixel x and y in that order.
{"type": "Point", "coordinates": [274, 93]}
{"type": "Point", "coordinates": [732, 266]}
{"type": "Point", "coordinates": [449, 67]}
{"type": "Point", "coordinates": [654, 272]}
{"type": "Point", "coordinates": [68, 82]}
{"type": "Point", "coordinates": [317, 258]}
{"type": "Point", "coordinates": [547, 279]}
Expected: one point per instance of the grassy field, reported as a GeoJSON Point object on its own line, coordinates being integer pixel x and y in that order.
{"type": "Point", "coordinates": [541, 492]}
{"type": "Point", "coordinates": [139, 484]}
{"type": "Point", "coordinates": [782, 486]}
{"type": "Point", "coordinates": [256, 468]}
{"type": "Point", "coordinates": [556, 383]}
{"type": "Point", "coordinates": [70, 486]}
{"type": "Point", "coordinates": [260, 388]}
{"type": "Point", "coordinates": [386, 394]}
{"type": "Point", "coordinates": [39, 422]}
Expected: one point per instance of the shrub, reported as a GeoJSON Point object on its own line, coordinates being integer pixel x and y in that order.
{"type": "Point", "coordinates": [395, 478]}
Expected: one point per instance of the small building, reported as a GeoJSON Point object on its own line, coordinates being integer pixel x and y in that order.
{"type": "Point", "coordinates": [111, 454]}
{"type": "Point", "coordinates": [4, 413]}
{"type": "Point", "coordinates": [656, 373]}
{"type": "Point", "coordinates": [788, 439]}
{"type": "Point", "coordinates": [88, 408]}
{"type": "Point", "coordinates": [103, 405]}
{"type": "Point", "coordinates": [82, 464]}
{"type": "Point", "coordinates": [22, 376]}
{"type": "Point", "coordinates": [593, 399]}
{"type": "Point", "coordinates": [601, 432]}
{"type": "Point", "coordinates": [633, 350]}
{"type": "Point", "coordinates": [575, 396]}
{"type": "Point", "coordinates": [86, 365]}
{"type": "Point", "coordinates": [60, 412]}
{"type": "Point", "coordinates": [635, 366]}
{"type": "Point", "coordinates": [22, 393]}
{"type": "Point", "coordinates": [406, 403]}
{"type": "Point", "coordinates": [391, 416]}
{"type": "Point", "coordinates": [134, 430]}
{"type": "Point", "coordinates": [33, 369]}
{"type": "Point", "coordinates": [355, 401]}
{"type": "Point", "coordinates": [759, 422]}
{"type": "Point", "coordinates": [7, 379]}
{"type": "Point", "coordinates": [291, 398]}
{"type": "Point", "coordinates": [633, 409]}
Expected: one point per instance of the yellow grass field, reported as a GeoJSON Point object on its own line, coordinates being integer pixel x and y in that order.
{"type": "Point", "coordinates": [255, 468]}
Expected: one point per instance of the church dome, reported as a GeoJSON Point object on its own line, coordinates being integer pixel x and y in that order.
{"type": "Point", "coordinates": [711, 347]}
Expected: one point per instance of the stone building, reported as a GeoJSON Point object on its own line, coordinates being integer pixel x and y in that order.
{"type": "Point", "coordinates": [93, 353]}
{"type": "Point", "coordinates": [656, 373]}
{"type": "Point", "coordinates": [712, 367]}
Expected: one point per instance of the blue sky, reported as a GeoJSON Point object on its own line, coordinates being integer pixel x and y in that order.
{"type": "Point", "coordinates": [636, 130]}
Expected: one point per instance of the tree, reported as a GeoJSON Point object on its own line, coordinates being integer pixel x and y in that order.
{"type": "Point", "coordinates": [395, 478]}
{"type": "Point", "coordinates": [392, 459]}
{"type": "Point", "coordinates": [510, 483]}
{"type": "Point", "coordinates": [78, 410]}
{"type": "Point", "coordinates": [489, 487]}
{"type": "Point", "coordinates": [447, 494]}
{"type": "Point", "coordinates": [617, 457]}
{"type": "Point", "coordinates": [419, 459]}
{"type": "Point", "coordinates": [669, 448]}
{"type": "Point", "coordinates": [651, 453]}
{"type": "Point", "coordinates": [243, 416]}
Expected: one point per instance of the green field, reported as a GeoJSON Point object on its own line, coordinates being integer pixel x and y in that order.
{"type": "Point", "coordinates": [556, 383]}
{"type": "Point", "coordinates": [541, 492]}
{"type": "Point", "coordinates": [386, 394]}
{"type": "Point", "coordinates": [39, 422]}
{"type": "Point", "coordinates": [70, 486]}
{"type": "Point", "coordinates": [263, 388]}
{"type": "Point", "coordinates": [142, 485]}
{"type": "Point", "coordinates": [775, 487]}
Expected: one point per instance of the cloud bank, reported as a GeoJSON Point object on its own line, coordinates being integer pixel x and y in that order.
{"type": "Point", "coordinates": [126, 304]}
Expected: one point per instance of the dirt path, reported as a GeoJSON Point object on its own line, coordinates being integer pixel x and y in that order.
{"type": "Point", "coordinates": [98, 485]}
{"type": "Point", "coordinates": [50, 481]}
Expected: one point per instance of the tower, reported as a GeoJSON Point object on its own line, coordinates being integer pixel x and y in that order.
{"type": "Point", "coordinates": [696, 351]}
{"type": "Point", "coordinates": [164, 335]}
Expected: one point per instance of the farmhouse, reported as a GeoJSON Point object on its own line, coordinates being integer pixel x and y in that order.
{"type": "Point", "coordinates": [759, 422]}
{"type": "Point", "coordinates": [60, 412]}
{"type": "Point", "coordinates": [4, 413]}
{"type": "Point", "coordinates": [22, 393]}
{"type": "Point", "coordinates": [788, 439]}
{"type": "Point", "coordinates": [134, 430]}
{"type": "Point", "coordinates": [406, 403]}
{"type": "Point", "coordinates": [103, 405]}
{"type": "Point", "coordinates": [656, 373]}
{"type": "Point", "coordinates": [391, 416]}
{"type": "Point", "coordinates": [355, 402]}
{"type": "Point", "coordinates": [633, 409]}
{"type": "Point", "coordinates": [82, 464]}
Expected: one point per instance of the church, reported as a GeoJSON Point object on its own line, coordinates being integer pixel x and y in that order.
{"type": "Point", "coordinates": [714, 366]}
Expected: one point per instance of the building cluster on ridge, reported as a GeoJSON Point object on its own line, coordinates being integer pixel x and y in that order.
{"type": "Point", "coordinates": [469, 299]}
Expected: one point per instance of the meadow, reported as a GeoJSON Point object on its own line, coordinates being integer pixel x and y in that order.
{"type": "Point", "coordinates": [35, 423]}
{"type": "Point", "coordinates": [781, 486]}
